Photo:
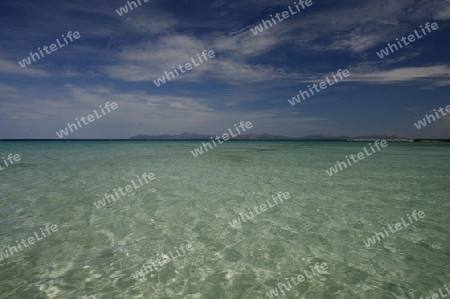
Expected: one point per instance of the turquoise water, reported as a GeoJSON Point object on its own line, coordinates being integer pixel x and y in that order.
{"type": "Point", "coordinates": [192, 200]}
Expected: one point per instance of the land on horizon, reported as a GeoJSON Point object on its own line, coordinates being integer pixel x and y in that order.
{"type": "Point", "coordinates": [248, 137]}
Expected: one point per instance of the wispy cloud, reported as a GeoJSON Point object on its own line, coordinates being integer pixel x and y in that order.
{"type": "Point", "coordinates": [11, 68]}
{"type": "Point", "coordinates": [437, 72]}
{"type": "Point", "coordinates": [251, 76]}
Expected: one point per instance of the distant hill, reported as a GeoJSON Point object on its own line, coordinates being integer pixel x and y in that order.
{"type": "Point", "coordinates": [264, 136]}
{"type": "Point", "coordinates": [267, 137]}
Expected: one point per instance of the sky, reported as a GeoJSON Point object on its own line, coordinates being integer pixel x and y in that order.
{"type": "Point", "coordinates": [250, 78]}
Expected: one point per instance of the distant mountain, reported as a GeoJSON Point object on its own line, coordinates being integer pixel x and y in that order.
{"type": "Point", "coordinates": [264, 136]}
{"type": "Point", "coordinates": [182, 136]}
{"type": "Point", "coordinates": [267, 136]}
{"type": "Point", "coordinates": [322, 137]}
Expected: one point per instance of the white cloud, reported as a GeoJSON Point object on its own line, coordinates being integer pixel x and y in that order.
{"type": "Point", "coordinates": [9, 91]}
{"type": "Point", "coordinates": [403, 74]}
{"type": "Point", "coordinates": [14, 68]}
{"type": "Point", "coordinates": [149, 60]}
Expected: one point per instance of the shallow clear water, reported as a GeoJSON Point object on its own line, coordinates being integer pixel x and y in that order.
{"type": "Point", "coordinates": [192, 200]}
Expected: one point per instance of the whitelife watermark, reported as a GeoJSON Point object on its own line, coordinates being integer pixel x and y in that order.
{"type": "Point", "coordinates": [146, 177]}
{"type": "Point", "coordinates": [225, 137]}
{"type": "Point", "coordinates": [300, 278]}
{"type": "Point", "coordinates": [187, 65]}
{"type": "Point", "coordinates": [53, 48]}
{"type": "Point", "coordinates": [124, 9]}
{"type": "Point", "coordinates": [395, 228]}
{"type": "Point", "coordinates": [423, 123]}
{"type": "Point", "coordinates": [436, 296]}
{"type": "Point", "coordinates": [360, 156]}
{"type": "Point", "coordinates": [31, 241]}
{"type": "Point", "coordinates": [411, 38]}
{"type": "Point", "coordinates": [285, 14]}
{"type": "Point", "coordinates": [236, 222]}
{"type": "Point", "coordinates": [90, 118]}
{"type": "Point", "coordinates": [10, 158]}
{"type": "Point", "coordinates": [322, 86]}
{"type": "Point", "coordinates": [165, 260]}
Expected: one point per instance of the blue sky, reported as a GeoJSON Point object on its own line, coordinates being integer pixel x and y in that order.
{"type": "Point", "coordinates": [251, 77]}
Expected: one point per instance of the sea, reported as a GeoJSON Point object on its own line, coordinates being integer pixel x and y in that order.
{"type": "Point", "coordinates": [97, 252]}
